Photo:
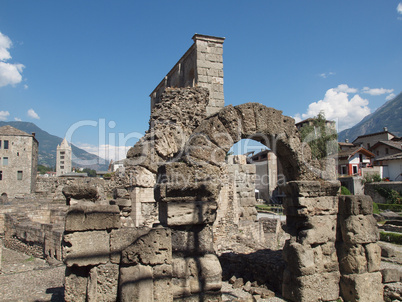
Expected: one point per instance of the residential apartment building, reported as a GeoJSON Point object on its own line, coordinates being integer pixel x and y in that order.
{"type": "Point", "coordinates": [18, 162]}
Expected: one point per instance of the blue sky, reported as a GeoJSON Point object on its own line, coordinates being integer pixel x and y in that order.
{"type": "Point", "coordinates": [85, 69]}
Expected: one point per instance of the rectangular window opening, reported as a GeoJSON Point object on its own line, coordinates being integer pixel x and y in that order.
{"type": "Point", "coordinates": [19, 175]}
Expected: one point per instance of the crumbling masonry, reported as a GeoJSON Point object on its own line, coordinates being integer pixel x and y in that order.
{"type": "Point", "coordinates": [159, 238]}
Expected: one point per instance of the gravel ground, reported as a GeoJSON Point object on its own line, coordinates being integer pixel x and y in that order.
{"type": "Point", "coordinates": [24, 278]}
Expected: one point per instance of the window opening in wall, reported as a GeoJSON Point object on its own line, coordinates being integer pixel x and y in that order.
{"type": "Point", "coordinates": [61, 157]}
{"type": "Point", "coordinates": [386, 150]}
{"type": "Point", "coordinates": [0, 143]}
{"type": "Point", "coordinates": [19, 175]}
{"type": "Point", "coordinates": [62, 162]}
{"type": "Point", "coordinates": [361, 157]}
{"type": "Point", "coordinates": [62, 152]}
{"type": "Point", "coordinates": [5, 161]}
{"type": "Point", "coordinates": [18, 154]}
{"type": "Point", "coordinates": [5, 144]}
{"type": "Point", "coordinates": [343, 170]}
{"type": "Point", "coordinates": [354, 169]}
{"type": "Point", "coordinates": [1, 175]}
{"type": "Point", "coordinates": [61, 167]}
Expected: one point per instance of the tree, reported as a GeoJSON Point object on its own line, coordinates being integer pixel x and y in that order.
{"type": "Point", "coordinates": [43, 169]}
{"type": "Point", "coordinates": [322, 139]}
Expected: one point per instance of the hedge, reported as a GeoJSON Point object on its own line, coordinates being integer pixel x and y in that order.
{"type": "Point", "coordinates": [391, 207]}
{"type": "Point", "coordinates": [391, 237]}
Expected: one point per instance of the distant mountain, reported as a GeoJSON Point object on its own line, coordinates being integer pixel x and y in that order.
{"type": "Point", "coordinates": [48, 146]}
{"type": "Point", "coordinates": [388, 115]}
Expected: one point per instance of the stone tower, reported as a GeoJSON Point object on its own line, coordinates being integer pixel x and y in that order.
{"type": "Point", "coordinates": [63, 159]}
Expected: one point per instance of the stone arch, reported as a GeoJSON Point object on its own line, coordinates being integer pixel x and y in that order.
{"type": "Point", "coordinates": [210, 142]}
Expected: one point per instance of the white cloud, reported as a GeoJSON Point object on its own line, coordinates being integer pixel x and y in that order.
{"type": "Point", "coordinates": [106, 151]}
{"type": "Point", "coordinates": [17, 119]}
{"type": "Point", "coordinates": [376, 91]}
{"type": "Point", "coordinates": [5, 44]}
{"type": "Point", "coordinates": [326, 74]}
{"type": "Point", "coordinates": [345, 88]}
{"type": "Point", "coordinates": [390, 97]}
{"type": "Point", "coordinates": [338, 107]}
{"type": "Point", "coordinates": [3, 115]}
{"type": "Point", "coordinates": [399, 8]}
{"type": "Point", "coordinates": [25, 86]}
{"type": "Point", "coordinates": [10, 74]}
{"type": "Point", "coordinates": [31, 113]}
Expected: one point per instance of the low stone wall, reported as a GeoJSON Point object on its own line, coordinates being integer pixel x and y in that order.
{"type": "Point", "coordinates": [369, 189]}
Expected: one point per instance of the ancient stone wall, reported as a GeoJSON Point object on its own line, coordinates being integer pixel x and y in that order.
{"type": "Point", "coordinates": [201, 65]}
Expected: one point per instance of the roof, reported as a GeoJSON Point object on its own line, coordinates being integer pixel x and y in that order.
{"type": "Point", "coordinates": [373, 134]}
{"type": "Point", "coordinates": [9, 130]}
{"type": "Point", "coordinates": [390, 157]}
{"type": "Point", "coordinates": [345, 144]}
{"type": "Point", "coordinates": [352, 151]}
{"type": "Point", "coordinates": [312, 119]}
{"type": "Point", "coordinates": [392, 144]}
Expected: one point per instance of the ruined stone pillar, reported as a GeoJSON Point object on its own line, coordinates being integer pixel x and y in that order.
{"type": "Point", "coordinates": [312, 272]}
{"type": "Point", "coordinates": [359, 254]}
{"type": "Point", "coordinates": [187, 196]}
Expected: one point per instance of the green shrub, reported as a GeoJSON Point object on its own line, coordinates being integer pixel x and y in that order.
{"type": "Point", "coordinates": [345, 191]}
{"type": "Point", "coordinates": [372, 177]}
{"type": "Point", "coordinates": [391, 237]}
{"type": "Point", "coordinates": [391, 196]}
{"type": "Point", "coordinates": [391, 207]}
{"type": "Point", "coordinates": [376, 210]}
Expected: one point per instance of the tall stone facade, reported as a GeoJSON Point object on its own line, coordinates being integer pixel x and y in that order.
{"type": "Point", "coordinates": [63, 158]}
{"type": "Point", "coordinates": [201, 65]}
{"type": "Point", "coordinates": [19, 160]}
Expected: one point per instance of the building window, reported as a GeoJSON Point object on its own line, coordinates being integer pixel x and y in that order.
{"type": "Point", "coordinates": [354, 169]}
{"type": "Point", "coordinates": [19, 175]}
{"type": "Point", "coordinates": [61, 157]}
{"type": "Point", "coordinates": [62, 152]}
{"type": "Point", "coordinates": [378, 152]}
{"type": "Point", "coordinates": [5, 144]}
{"type": "Point", "coordinates": [1, 175]}
{"type": "Point", "coordinates": [5, 161]}
{"type": "Point", "coordinates": [61, 167]}
{"type": "Point", "coordinates": [343, 170]}
{"type": "Point", "coordinates": [0, 143]}
{"type": "Point", "coordinates": [386, 150]}
{"type": "Point", "coordinates": [18, 154]}
{"type": "Point", "coordinates": [62, 162]}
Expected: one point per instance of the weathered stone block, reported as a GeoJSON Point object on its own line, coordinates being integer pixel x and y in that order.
{"type": "Point", "coordinates": [136, 284]}
{"type": "Point", "coordinates": [86, 248]}
{"type": "Point", "coordinates": [359, 229]}
{"type": "Point", "coordinates": [200, 149]}
{"type": "Point", "coordinates": [120, 239]}
{"type": "Point", "coordinates": [352, 259]}
{"type": "Point", "coordinates": [80, 192]}
{"type": "Point", "coordinates": [187, 212]}
{"type": "Point", "coordinates": [312, 229]}
{"type": "Point", "coordinates": [162, 275]}
{"type": "Point", "coordinates": [194, 240]}
{"type": "Point", "coordinates": [211, 273]}
{"type": "Point", "coordinates": [323, 205]}
{"type": "Point", "coordinates": [216, 133]}
{"type": "Point", "coordinates": [373, 253]}
{"type": "Point", "coordinates": [154, 248]}
{"type": "Point", "coordinates": [311, 288]}
{"type": "Point", "coordinates": [186, 182]}
{"type": "Point", "coordinates": [103, 283]}
{"type": "Point", "coordinates": [362, 287]}
{"type": "Point", "coordinates": [390, 275]}
{"type": "Point", "coordinates": [307, 260]}
{"type": "Point", "coordinates": [308, 188]}
{"type": "Point", "coordinates": [75, 284]}
{"type": "Point", "coordinates": [247, 202]}
{"type": "Point", "coordinates": [141, 177]}
{"type": "Point", "coordinates": [355, 205]}
{"type": "Point", "coordinates": [232, 122]}
{"type": "Point", "coordinates": [99, 217]}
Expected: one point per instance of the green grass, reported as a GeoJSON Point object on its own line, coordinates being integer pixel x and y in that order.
{"type": "Point", "coordinates": [31, 258]}
{"type": "Point", "coordinates": [391, 207]}
{"type": "Point", "coordinates": [391, 237]}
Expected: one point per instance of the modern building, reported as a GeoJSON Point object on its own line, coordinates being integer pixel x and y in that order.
{"type": "Point", "coordinates": [18, 162]}
{"type": "Point", "coordinates": [391, 166]}
{"type": "Point", "coordinates": [63, 158]}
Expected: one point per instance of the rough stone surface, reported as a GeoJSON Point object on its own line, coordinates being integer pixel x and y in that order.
{"type": "Point", "coordinates": [355, 205]}
{"type": "Point", "coordinates": [80, 192]}
{"type": "Point", "coordinates": [85, 218]}
{"type": "Point", "coordinates": [194, 240]}
{"type": "Point", "coordinates": [359, 229]}
{"type": "Point", "coordinates": [362, 287]}
{"type": "Point", "coordinates": [135, 283]}
{"type": "Point", "coordinates": [317, 287]}
{"type": "Point", "coordinates": [75, 284]}
{"type": "Point", "coordinates": [154, 248]}
{"type": "Point", "coordinates": [86, 248]}
{"type": "Point", "coordinates": [103, 283]}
